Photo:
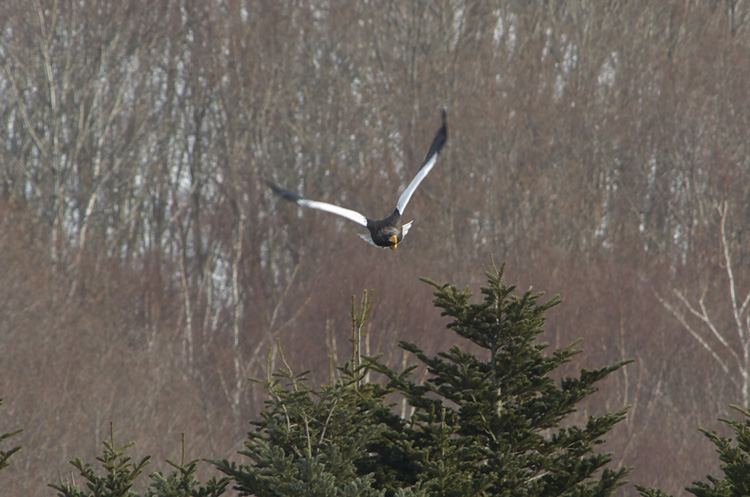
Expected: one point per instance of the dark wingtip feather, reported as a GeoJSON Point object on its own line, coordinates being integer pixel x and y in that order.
{"type": "Point", "coordinates": [441, 137]}
{"type": "Point", "coordinates": [286, 194]}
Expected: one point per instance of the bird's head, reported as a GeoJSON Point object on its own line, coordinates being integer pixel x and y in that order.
{"type": "Point", "coordinates": [394, 241]}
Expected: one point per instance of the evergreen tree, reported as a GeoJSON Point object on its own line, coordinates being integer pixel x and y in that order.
{"type": "Point", "coordinates": [6, 454]}
{"type": "Point", "coordinates": [492, 425]}
{"type": "Point", "coordinates": [735, 464]}
{"type": "Point", "coordinates": [488, 426]}
{"type": "Point", "coordinates": [121, 473]}
{"type": "Point", "coordinates": [313, 442]}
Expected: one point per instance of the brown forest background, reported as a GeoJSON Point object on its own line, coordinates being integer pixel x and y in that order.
{"type": "Point", "coordinates": [599, 147]}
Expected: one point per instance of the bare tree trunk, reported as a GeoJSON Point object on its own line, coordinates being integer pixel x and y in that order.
{"type": "Point", "coordinates": [732, 356]}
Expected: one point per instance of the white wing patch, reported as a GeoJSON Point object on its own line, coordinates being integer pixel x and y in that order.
{"type": "Point", "coordinates": [406, 196]}
{"type": "Point", "coordinates": [334, 209]}
{"type": "Point", "coordinates": [405, 229]}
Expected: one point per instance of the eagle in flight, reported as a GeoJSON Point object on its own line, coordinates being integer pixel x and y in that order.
{"type": "Point", "coordinates": [386, 232]}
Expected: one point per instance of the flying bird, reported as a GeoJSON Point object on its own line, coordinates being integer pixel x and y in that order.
{"type": "Point", "coordinates": [386, 232]}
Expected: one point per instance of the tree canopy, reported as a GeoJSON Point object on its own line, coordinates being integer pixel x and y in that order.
{"type": "Point", "coordinates": [489, 419]}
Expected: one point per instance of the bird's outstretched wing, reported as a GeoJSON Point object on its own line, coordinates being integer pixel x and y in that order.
{"type": "Point", "coordinates": [429, 162]}
{"type": "Point", "coordinates": [321, 206]}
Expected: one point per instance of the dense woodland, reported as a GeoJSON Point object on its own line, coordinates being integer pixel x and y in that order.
{"type": "Point", "coordinates": [599, 149]}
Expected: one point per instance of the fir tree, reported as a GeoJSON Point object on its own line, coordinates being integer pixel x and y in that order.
{"type": "Point", "coordinates": [181, 482]}
{"type": "Point", "coordinates": [118, 480]}
{"type": "Point", "coordinates": [492, 426]}
{"type": "Point", "coordinates": [735, 464]}
{"type": "Point", "coordinates": [6, 454]}
{"type": "Point", "coordinates": [487, 426]}
{"type": "Point", "coordinates": [313, 442]}
{"type": "Point", "coordinates": [121, 473]}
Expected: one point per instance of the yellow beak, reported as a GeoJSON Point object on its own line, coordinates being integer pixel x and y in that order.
{"type": "Point", "coordinates": [395, 242]}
